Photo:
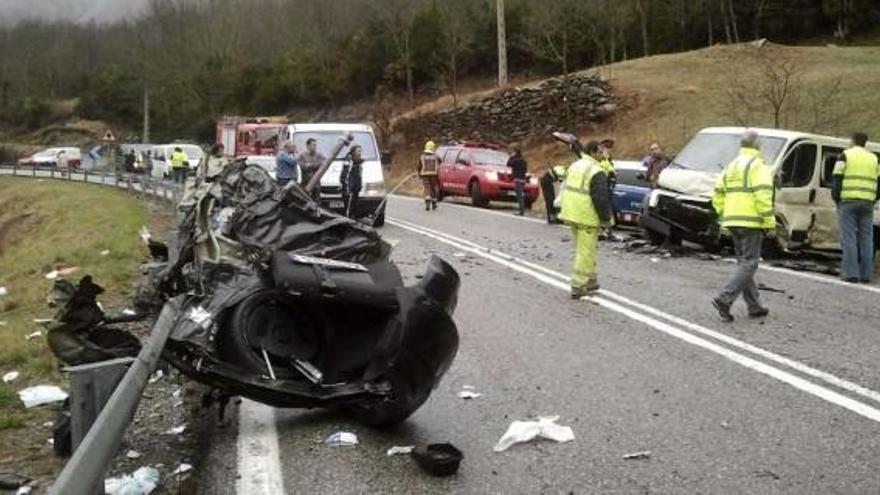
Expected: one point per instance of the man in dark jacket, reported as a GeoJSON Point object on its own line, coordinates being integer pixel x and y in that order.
{"type": "Point", "coordinates": [518, 167]}
{"type": "Point", "coordinates": [351, 180]}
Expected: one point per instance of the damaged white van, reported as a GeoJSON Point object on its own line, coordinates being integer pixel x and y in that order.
{"type": "Point", "coordinates": [801, 164]}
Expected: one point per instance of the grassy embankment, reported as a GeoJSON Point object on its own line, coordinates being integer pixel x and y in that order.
{"type": "Point", "coordinates": [45, 225]}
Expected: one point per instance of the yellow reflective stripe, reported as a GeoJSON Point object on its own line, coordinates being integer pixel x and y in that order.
{"type": "Point", "coordinates": [743, 218]}
{"type": "Point", "coordinates": [856, 188]}
{"type": "Point", "coordinates": [578, 190]}
{"type": "Point", "coordinates": [860, 177]}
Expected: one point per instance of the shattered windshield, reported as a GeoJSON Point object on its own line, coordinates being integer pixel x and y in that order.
{"type": "Point", "coordinates": [327, 140]}
{"type": "Point", "coordinates": [712, 152]}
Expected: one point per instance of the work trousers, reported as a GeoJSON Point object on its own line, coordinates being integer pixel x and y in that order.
{"type": "Point", "coordinates": [431, 185]}
{"type": "Point", "coordinates": [549, 193]}
{"type": "Point", "coordinates": [747, 246]}
{"type": "Point", "coordinates": [586, 244]}
{"type": "Point", "coordinates": [856, 220]}
{"type": "Point", "coordinates": [178, 175]}
{"type": "Point", "coordinates": [351, 200]}
{"type": "Point", "coordinates": [520, 185]}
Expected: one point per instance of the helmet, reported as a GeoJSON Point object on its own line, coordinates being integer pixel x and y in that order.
{"type": "Point", "coordinates": [430, 146]}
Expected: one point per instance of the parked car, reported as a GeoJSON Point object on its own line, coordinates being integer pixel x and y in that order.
{"type": "Point", "coordinates": [162, 158]}
{"type": "Point", "coordinates": [53, 157]}
{"type": "Point", "coordinates": [801, 163]}
{"type": "Point", "coordinates": [479, 171]}
{"type": "Point", "coordinates": [327, 135]}
{"type": "Point", "coordinates": [630, 191]}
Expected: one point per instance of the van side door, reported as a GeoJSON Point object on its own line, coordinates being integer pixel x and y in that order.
{"type": "Point", "coordinates": [796, 192]}
{"type": "Point", "coordinates": [828, 228]}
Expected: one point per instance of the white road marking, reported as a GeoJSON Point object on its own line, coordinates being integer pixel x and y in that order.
{"type": "Point", "coordinates": [753, 364]}
{"type": "Point", "coordinates": [259, 460]}
{"type": "Point", "coordinates": [807, 370]}
{"type": "Point", "coordinates": [786, 271]}
{"type": "Point", "coordinates": [472, 208]}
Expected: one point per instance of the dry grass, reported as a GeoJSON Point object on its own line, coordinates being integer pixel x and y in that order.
{"type": "Point", "coordinates": [45, 225]}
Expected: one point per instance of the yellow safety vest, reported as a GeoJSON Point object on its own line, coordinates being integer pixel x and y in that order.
{"type": "Point", "coordinates": [577, 204]}
{"type": "Point", "coordinates": [859, 174]}
{"type": "Point", "coordinates": [177, 159]}
{"type": "Point", "coordinates": [607, 166]}
{"type": "Point", "coordinates": [744, 193]}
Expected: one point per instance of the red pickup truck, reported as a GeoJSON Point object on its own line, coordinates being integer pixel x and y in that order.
{"type": "Point", "coordinates": [479, 171]}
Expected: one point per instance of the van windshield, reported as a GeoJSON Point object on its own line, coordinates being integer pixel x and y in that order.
{"type": "Point", "coordinates": [712, 152]}
{"type": "Point", "coordinates": [327, 140]}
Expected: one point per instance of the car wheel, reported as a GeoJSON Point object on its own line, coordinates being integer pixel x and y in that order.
{"type": "Point", "coordinates": [268, 319]}
{"type": "Point", "coordinates": [655, 238]}
{"type": "Point", "coordinates": [403, 400]}
{"type": "Point", "coordinates": [477, 198]}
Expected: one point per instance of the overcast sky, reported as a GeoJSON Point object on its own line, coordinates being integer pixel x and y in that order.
{"type": "Point", "coordinates": [12, 11]}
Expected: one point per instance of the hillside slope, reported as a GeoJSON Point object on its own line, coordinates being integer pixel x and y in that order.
{"type": "Point", "coordinates": [668, 98]}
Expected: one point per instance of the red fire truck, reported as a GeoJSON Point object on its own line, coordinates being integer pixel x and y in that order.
{"type": "Point", "coordinates": [248, 136]}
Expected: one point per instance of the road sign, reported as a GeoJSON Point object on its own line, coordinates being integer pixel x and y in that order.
{"type": "Point", "coordinates": [108, 136]}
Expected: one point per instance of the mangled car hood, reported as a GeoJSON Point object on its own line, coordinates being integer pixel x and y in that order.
{"type": "Point", "coordinates": [690, 182]}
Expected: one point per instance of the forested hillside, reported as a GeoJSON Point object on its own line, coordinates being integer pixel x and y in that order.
{"type": "Point", "coordinates": [198, 59]}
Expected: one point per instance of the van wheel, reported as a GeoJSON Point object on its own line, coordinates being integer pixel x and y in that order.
{"type": "Point", "coordinates": [477, 198]}
{"type": "Point", "coordinates": [655, 238]}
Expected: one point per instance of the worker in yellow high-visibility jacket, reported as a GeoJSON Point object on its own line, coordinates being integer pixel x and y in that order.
{"type": "Point", "coordinates": [586, 207]}
{"type": "Point", "coordinates": [744, 202]}
{"type": "Point", "coordinates": [855, 188]}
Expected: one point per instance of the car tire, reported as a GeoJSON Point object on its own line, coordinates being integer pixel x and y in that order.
{"type": "Point", "coordinates": [655, 238]}
{"type": "Point", "coordinates": [263, 311]}
{"type": "Point", "coordinates": [477, 198]}
{"type": "Point", "coordinates": [385, 412]}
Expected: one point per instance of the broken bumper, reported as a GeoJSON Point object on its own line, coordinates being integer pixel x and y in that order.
{"type": "Point", "coordinates": [683, 217]}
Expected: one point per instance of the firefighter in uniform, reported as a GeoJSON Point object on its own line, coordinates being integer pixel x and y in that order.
{"type": "Point", "coordinates": [586, 207]}
{"type": "Point", "coordinates": [854, 188]}
{"type": "Point", "coordinates": [744, 202]}
{"type": "Point", "coordinates": [429, 164]}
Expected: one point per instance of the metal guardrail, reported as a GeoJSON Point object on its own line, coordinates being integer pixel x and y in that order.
{"type": "Point", "coordinates": [134, 183]}
{"type": "Point", "coordinates": [84, 472]}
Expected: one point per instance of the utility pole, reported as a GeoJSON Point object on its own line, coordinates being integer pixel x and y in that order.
{"type": "Point", "coordinates": [146, 136]}
{"type": "Point", "coordinates": [502, 44]}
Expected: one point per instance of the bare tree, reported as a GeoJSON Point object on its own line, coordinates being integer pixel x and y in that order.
{"type": "Point", "coordinates": [457, 36]}
{"type": "Point", "coordinates": [641, 8]}
{"type": "Point", "coordinates": [766, 80]}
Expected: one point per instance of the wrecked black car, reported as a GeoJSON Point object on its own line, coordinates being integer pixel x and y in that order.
{"type": "Point", "coordinates": [270, 297]}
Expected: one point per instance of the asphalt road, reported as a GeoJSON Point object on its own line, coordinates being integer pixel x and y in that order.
{"type": "Point", "coordinates": [786, 405]}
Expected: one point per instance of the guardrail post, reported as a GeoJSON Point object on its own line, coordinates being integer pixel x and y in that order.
{"type": "Point", "coordinates": [90, 387]}
{"type": "Point", "coordinates": [33, 170]}
{"type": "Point", "coordinates": [15, 169]}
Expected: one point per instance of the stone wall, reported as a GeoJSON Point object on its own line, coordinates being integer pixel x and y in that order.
{"type": "Point", "coordinates": [517, 113]}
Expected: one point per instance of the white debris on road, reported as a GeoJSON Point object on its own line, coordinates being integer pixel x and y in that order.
{"type": "Point", "coordinates": [132, 454]}
{"type": "Point", "coordinates": [141, 482]}
{"type": "Point", "coordinates": [645, 454]}
{"type": "Point", "coordinates": [469, 394]}
{"type": "Point", "coordinates": [156, 377]}
{"type": "Point", "coordinates": [105, 252]}
{"type": "Point", "coordinates": [524, 431]}
{"type": "Point", "coordinates": [400, 450]}
{"type": "Point", "coordinates": [200, 316]}
{"type": "Point", "coordinates": [177, 430]}
{"type": "Point", "coordinates": [10, 377]}
{"type": "Point", "coordinates": [41, 394]}
{"type": "Point", "coordinates": [182, 468]}
{"type": "Point", "coordinates": [34, 335]}
{"type": "Point", "coordinates": [341, 439]}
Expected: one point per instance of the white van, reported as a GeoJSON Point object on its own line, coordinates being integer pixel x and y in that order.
{"type": "Point", "coordinates": [328, 135]}
{"type": "Point", "coordinates": [162, 158]}
{"type": "Point", "coordinates": [801, 163]}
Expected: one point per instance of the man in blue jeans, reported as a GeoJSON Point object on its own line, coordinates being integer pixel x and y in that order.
{"type": "Point", "coordinates": [854, 187]}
